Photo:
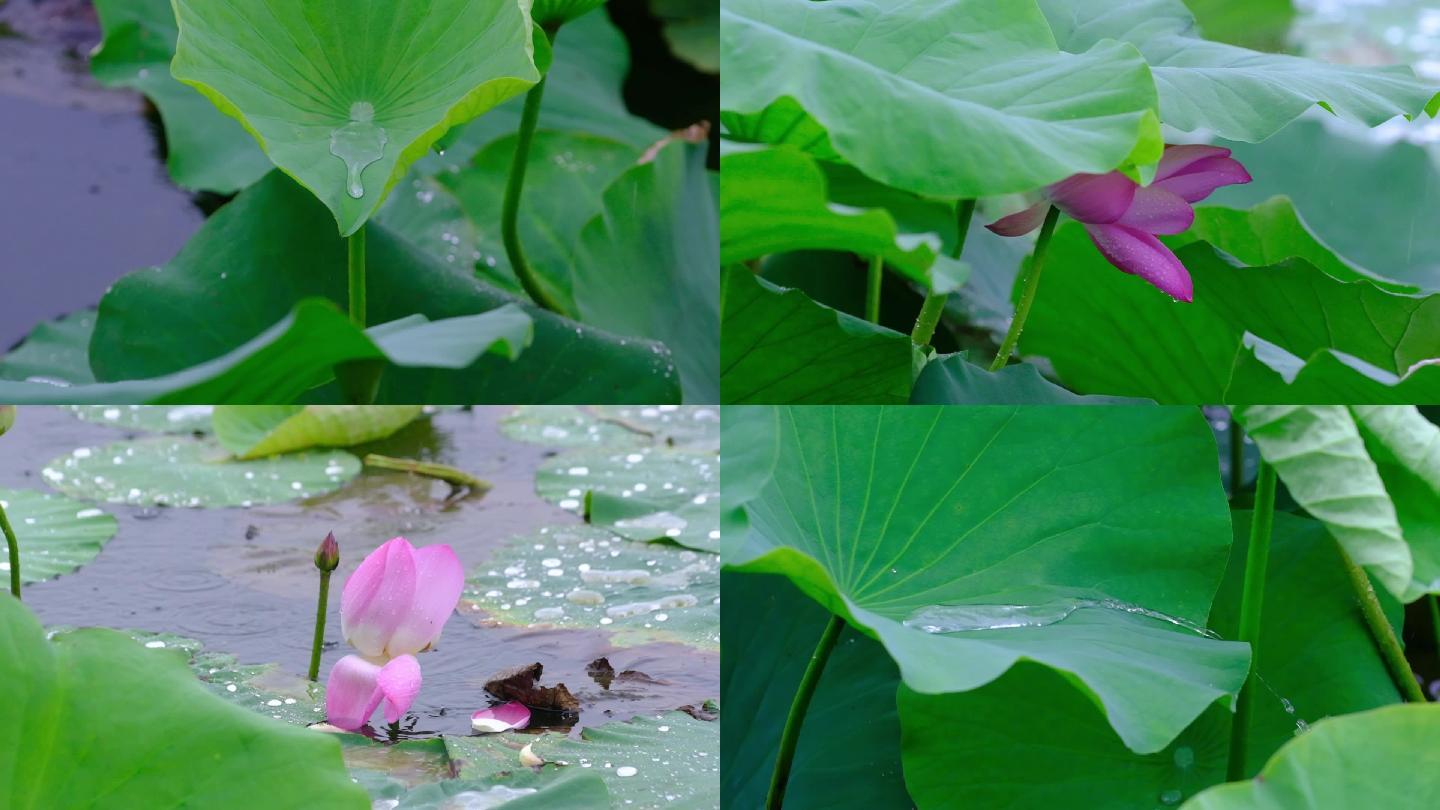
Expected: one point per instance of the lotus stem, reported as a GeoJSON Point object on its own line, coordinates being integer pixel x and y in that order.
{"type": "Point", "coordinates": [1032, 284]}
{"type": "Point", "coordinates": [1257, 558]}
{"type": "Point", "coordinates": [444, 472]}
{"type": "Point", "coordinates": [514, 187]}
{"type": "Point", "coordinates": [1383, 633]}
{"type": "Point", "coordinates": [934, 305]}
{"type": "Point", "coordinates": [798, 708]}
{"type": "Point", "coordinates": [14, 546]}
{"type": "Point", "coordinates": [872, 289]}
{"type": "Point", "coordinates": [327, 559]}
{"type": "Point", "coordinates": [356, 245]}
{"type": "Point", "coordinates": [1237, 457]}
{"type": "Point", "coordinates": [1434, 619]}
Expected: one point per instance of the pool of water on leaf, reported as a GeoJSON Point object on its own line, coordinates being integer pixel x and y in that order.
{"type": "Point", "coordinates": [242, 581]}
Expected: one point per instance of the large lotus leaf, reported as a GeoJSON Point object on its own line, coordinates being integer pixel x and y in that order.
{"type": "Point", "coordinates": [645, 265]}
{"type": "Point", "coordinates": [255, 431]}
{"type": "Point", "coordinates": [954, 380]}
{"type": "Point", "coordinates": [583, 93]}
{"type": "Point", "coordinates": [779, 346]}
{"type": "Point", "coordinates": [692, 30]}
{"type": "Point", "coordinates": [957, 98]}
{"type": "Point", "coordinates": [649, 763]}
{"type": "Point", "coordinates": [581, 577]}
{"type": "Point", "coordinates": [566, 426]}
{"type": "Point", "coordinates": [56, 534]}
{"type": "Point", "coordinates": [344, 96]}
{"type": "Point", "coordinates": [303, 351]}
{"type": "Point", "coordinates": [566, 175]}
{"type": "Point", "coordinates": [570, 791]}
{"type": "Point", "coordinates": [848, 754]}
{"type": "Point", "coordinates": [1184, 353]}
{"type": "Point", "coordinates": [1259, 24]}
{"type": "Point", "coordinates": [1390, 233]}
{"type": "Point", "coordinates": [640, 493]}
{"type": "Point", "coordinates": [1328, 376]}
{"type": "Point", "coordinates": [1386, 757]}
{"type": "Point", "coordinates": [553, 13]}
{"type": "Point", "coordinates": [148, 418]}
{"type": "Point", "coordinates": [1231, 91]}
{"type": "Point", "coordinates": [169, 471]}
{"type": "Point", "coordinates": [775, 201]}
{"type": "Point", "coordinates": [57, 352]}
{"type": "Point", "coordinates": [673, 425]}
{"type": "Point", "coordinates": [269, 248]}
{"type": "Point", "coordinates": [189, 749]}
{"type": "Point", "coordinates": [1325, 459]}
{"type": "Point", "coordinates": [204, 148]}
{"type": "Point", "coordinates": [1316, 659]}
{"type": "Point", "coordinates": [932, 528]}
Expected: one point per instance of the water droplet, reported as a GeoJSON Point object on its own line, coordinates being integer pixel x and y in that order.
{"type": "Point", "coordinates": [1171, 797]}
{"type": "Point", "coordinates": [963, 618]}
{"type": "Point", "coordinates": [1184, 756]}
{"type": "Point", "coordinates": [359, 144]}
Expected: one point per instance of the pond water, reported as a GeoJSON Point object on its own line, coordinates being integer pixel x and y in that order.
{"type": "Point", "coordinates": [242, 581]}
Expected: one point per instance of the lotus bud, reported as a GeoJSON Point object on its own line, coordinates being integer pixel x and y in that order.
{"type": "Point", "coordinates": [327, 556]}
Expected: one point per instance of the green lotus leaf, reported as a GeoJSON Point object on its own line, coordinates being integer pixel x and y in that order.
{"type": "Point", "coordinates": [1329, 376]}
{"type": "Point", "coordinates": [270, 248]}
{"type": "Point", "coordinates": [954, 380]}
{"type": "Point", "coordinates": [553, 13]}
{"type": "Point", "coordinates": [303, 351]}
{"type": "Point", "coordinates": [345, 96]}
{"type": "Point", "coordinates": [255, 431]}
{"type": "Point", "coordinates": [768, 632]}
{"type": "Point", "coordinates": [179, 472]}
{"type": "Point", "coordinates": [977, 100]}
{"type": "Point", "coordinates": [645, 264]}
{"type": "Point", "coordinates": [692, 31]}
{"type": "Point", "coordinates": [190, 749]}
{"type": "Point", "coordinates": [779, 346]}
{"type": "Point", "coordinates": [1344, 762]}
{"type": "Point", "coordinates": [1310, 624]}
{"type": "Point", "coordinates": [1108, 547]}
{"type": "Point", "coordinates": [57, 352]}
{"type": "Point", "coordinates": [776, 201]}
{"type": "Point", "coordinates": [1233, 92]}
{"type": "Point", "coordinates": [568, 791]}
{"type": "Point", "coordinates": [1259, 24]}
{"type": "Point", "coordinates": [149, 418]}
{"type": "Point", "coordinates": [648, 763]}
{"type": "Point", "coordinates": [582, 577]}
{"type": "Point", "coordinates": [566, 426]}
{"type": "Point", "coordinates": [56, 534]}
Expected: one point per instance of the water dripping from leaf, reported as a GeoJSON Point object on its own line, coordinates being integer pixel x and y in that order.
{"type": "Point", "coordinates": [359, 144]}
{"type": "Point", "coordinates": [964, 618]}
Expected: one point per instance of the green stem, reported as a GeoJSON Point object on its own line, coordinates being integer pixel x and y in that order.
{"type": "Point", "coordinates": [1032, 283]}
{"type": "Point", "coordinates": [1256, 559]}
{"type": "Point", "coordinates": [1434, 619]}
{"type": "Point", "coordinates": [1237, 457]}
{"type": "Point", "coordinates": [14, 546]}
{"type": "Point", "coordinates": [510, 213]}
{"type": "Point", "coordinates": [356, 245]}
{"type": "Point", "coordinates": [798, 707]}
{"type": "Point", "coordinates": [1383, 633]}
{"type": "Point", "coordinates": [872, 289]}
{"type": "Point", "coordinates": [934, 305]}
{"type": "Point", "coordinates": [319, 626]}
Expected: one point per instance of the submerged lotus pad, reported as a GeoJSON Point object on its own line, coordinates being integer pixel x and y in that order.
{"type": "Point", "coordinates": [345, 95]}
{"type": "Point", "coordinates": [56, 535]}
{"type": "Point", "coordinates": [580, 577]}
{"type": "Point", "coordinates": [189, 472]}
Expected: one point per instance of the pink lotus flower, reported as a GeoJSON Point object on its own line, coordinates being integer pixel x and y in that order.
{"type": "Point", "coordinates": [393, 607]}
{"type": "Point", "coordinates": [1123, 217]}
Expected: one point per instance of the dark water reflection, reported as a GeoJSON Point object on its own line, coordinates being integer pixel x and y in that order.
{"type": "Point", "coordinates": [242, 581]}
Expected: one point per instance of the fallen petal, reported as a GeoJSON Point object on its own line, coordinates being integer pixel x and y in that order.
{"type": "Point", "coordinates": [1020, 222]}
{"type": "Point", "coordinates": [439, 579]}
{"type": "Point", "coordinates": [351, 692]}
{"type": "Point", "coordinates": [399, 682]}
{"type": "Point", "coordinates": [1157, 210]}
{"type": "Point", "coordinates": [508, 716]}
{"type": "Point", "coordinates": [377, 598]}
{"type": "Point", "coordinates": [1095, 199]}
{"type": "Point", "coordinates": [1141, 254]}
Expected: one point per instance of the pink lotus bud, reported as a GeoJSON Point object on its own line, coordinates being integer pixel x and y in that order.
{"type": "Point", "coordinates": [327, 556]}
{"type": "Point", "coordinates": [397, 601]}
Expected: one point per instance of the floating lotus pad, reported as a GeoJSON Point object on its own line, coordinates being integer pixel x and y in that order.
{"type": "Point", "coordinates": [586, 578]}
{"type": "Point", "coordinates": [566, 426]}
{"type": "Point", "coordinates": [56, 534]}
{"type": "Point", "coordinates": [653, 762]}
{"type": "Point", "coordinates": [255, 431]}
{"type": "Point", "coordinates": [151, 418]}
{"type": "Point", "coordinates": [193, 472]}
{"type": "Point", "coordinates": [675, 491]}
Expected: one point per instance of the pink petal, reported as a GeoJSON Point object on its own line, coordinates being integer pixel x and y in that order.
{"type": "Point", "coordinates": [512, 715]}
{"type": "Point", "coordinates": [1095, 199]}
{"type": "Point", "coordinates": [350, 693]}
{"type": "Point", "coordinates": [1177, 159]}
{"type": "Point", "coordinates": [377, 597]}
{"type": "Point", "coordinates": [1200, 178]}
{"type": "Point", "coordinates": [1141, 254]}
{"type": "Point", "coordinates": [439, 579]}
{"type": "Point", "coordinates": [1156, 210]}
{"type": "Point", "coordinates": [1021, 222]}
{"type": "Point", "coordinates": [399, 682]}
